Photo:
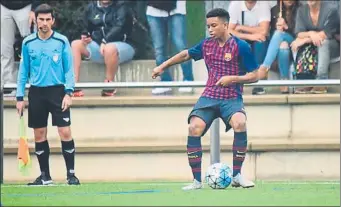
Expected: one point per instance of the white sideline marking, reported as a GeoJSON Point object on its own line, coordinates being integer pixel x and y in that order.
{"type": "Point", "coordinates": [31, 186]}
{"type": "Point", "coordinates": [175, 184]}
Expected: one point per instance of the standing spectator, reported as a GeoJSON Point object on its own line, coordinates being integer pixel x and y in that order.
{"type": "Point", "coordinates": [162, 16]}
{"type": "Point", "coordinates": [282, 30]}
{"type": "Point", "coordinates": [14, 14]}
{"type": "Point", "coordinates": [250, 21]}
{"type": "Point", "coordinates": [105, 39]}
{"type": "Point", "coordinates": [317, 23]}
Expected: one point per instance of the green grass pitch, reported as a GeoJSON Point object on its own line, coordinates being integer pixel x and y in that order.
{"type": "Point", "coordinates": [170, 194]}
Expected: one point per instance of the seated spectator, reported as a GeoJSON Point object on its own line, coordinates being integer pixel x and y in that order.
{"type": "Point", "coordinates": [282, 30]}
{"type": "Point", "coordinates": [106, 39]}
{"type": "Point", "coordinates": [336, 3]}
{"type": "Point", "coordinates": [172, 15]}
{"type": "Point", "coordinates": [14, 15]}
{"type": "Point", "coordinates": [317, 23]}
{"type": "Point", "coordinates": [250, 21]}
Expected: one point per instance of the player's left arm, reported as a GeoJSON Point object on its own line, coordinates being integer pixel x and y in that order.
{"type": "Point", "coordinates": [68, 68]}
{"type": "Point", "coordinates": [250, 64]}
{"type": "Point", "coordinates": [194, 53]}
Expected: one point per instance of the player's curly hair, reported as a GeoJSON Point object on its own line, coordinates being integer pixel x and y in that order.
{"type": "Point", "coordinates": [219, 12]}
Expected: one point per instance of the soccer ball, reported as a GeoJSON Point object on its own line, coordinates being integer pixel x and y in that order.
{"type": "Point", "coordinates": [218, 176]}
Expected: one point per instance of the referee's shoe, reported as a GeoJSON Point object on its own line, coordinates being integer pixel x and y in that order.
{"type": "Point", "coordinates": [43, 179]}
{"type": "Point", "coordinates": [72, 179]}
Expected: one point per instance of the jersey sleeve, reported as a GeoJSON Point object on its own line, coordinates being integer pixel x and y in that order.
{"type": "Point", "coordinates": [195, 52]}
{"type": "Point", "coordinates": [247, 57]}
{"type": "Point", "coordinates": [68, 67]}
{"type": "Point", "coordinates": [24, 69]}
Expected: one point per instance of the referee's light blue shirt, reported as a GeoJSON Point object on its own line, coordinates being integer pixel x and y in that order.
{"type": "Point", "coordinates": [45, 63]}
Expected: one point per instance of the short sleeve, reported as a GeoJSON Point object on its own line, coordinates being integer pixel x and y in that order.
{"type": "Point", "coordinates": [265, 13]}
{"type": "Point", "coordinates": [247, 57]}
{"type": "Point", "coordinates": [195, 52]}
{"type": "Point", "coordinates": [234, 11]}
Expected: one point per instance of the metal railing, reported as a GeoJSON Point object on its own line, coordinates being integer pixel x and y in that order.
{"type": "Point", "coordinates": [214, 132]}
{"type": "Point", "coordinates": [175, 84]}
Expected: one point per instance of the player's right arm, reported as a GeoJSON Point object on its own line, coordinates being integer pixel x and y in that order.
{"type": "Point", "coordinates": [183, 56]}
{"type": "Point", "coordinates": [24, 69]}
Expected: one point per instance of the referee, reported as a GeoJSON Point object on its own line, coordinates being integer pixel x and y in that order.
{"type": "Point", "coordinates": [48, 65]}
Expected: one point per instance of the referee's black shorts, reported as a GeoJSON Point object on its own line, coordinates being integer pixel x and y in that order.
{"type": "Point", "coordinates": [45, 100]}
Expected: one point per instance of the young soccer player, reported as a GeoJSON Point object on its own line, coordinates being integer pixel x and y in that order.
{"type": "Point", "coordinates": [230, 63]}
{"type": "Point", "coordinates": [47, 63]}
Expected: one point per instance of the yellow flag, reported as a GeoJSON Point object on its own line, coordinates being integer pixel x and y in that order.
{"type": "Point", "coordinates": [24, 159]}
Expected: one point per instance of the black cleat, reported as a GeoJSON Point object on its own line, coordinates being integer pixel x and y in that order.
{"type": "Point", "coordinates": [42, 180]}
{"type": "Point", "coordinates": [72, 180]}
{"type": "Point", "coordinates": [258, 91]}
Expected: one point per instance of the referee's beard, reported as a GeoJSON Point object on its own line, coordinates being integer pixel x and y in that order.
{"type": "Point", "coordinates": [44, 31]}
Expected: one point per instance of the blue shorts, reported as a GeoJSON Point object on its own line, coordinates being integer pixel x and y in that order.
{"type": "Point", "coordinates": [208, 109]}
{"type": "Point", "coordinates": [125, 52]}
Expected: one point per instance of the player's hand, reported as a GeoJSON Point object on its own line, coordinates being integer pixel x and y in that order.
{"type": "Point", "coordinates": [20, 107]}
{"type": "Point", "coordinates": [31, 19]}
{"type": "Point", "coordinates": [157, 72]}
{"type": "Point", "coordinates": [67, 102]}
{"type": "Point", "coordinates": [262, 72]}
{"type": "Point", "coordinates": [226, 80]}
{"type": "Point", "coordinates": [258, 37]}
{"type": "Point", "coordinates": [102, 49]}
{"type": "Point", "coordinates": [86, 40]}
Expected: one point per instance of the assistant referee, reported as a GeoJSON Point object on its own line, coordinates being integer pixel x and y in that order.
{"type": "Point", "coordinates": [47, 63]}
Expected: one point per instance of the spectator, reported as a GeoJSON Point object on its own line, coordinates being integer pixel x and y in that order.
{"type": "Point", "coordinates": [172, 15]}
{"type": "Point", "coordinates": [272, 3]}
{"type": "Point", "coordinates": [14, 14]}
{"type": "Point", "coordinates": [106, 39]}
{"type": "Point", "coordinates": [282, 30]}
{"type": "Point", "coordinates": [250, 21]}
{"type": "Point", "coordinates": [336, 3]}
{"type": "Point", "coordinates": [317, 23]}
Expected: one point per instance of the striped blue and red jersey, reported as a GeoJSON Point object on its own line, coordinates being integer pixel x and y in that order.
{"type": "Point", "coordinates": [234, 58]}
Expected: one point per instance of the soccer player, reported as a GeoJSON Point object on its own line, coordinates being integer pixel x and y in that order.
{"type": "Point", "coordinates": [230, 63]}
{"type": "Point", "coordinates": [47, 63]}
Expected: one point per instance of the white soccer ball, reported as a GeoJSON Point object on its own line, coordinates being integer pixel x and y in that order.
{"type": "Point", "coordinates": [218, 176]}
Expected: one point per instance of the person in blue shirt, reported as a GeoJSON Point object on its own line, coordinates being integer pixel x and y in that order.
{"type": "Point", "coordinates": [47, 63]}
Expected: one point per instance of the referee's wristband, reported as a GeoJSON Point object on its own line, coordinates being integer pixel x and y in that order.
{"type": "Point", "coordinates": [20, 98]}
{"type": "Point", "coordinates": [68, 92]}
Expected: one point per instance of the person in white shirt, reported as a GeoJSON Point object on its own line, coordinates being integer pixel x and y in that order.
{"type": "Point", "coordinates": [250, 21]}
{"type": "Point", "coordinates": [163, 16]}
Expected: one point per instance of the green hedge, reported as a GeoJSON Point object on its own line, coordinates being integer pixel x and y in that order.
{"type": "Point", "coordinates": [196, 21]}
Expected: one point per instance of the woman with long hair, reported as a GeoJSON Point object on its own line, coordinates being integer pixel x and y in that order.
{"type": "Point", "coordinates": [282, 30]}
